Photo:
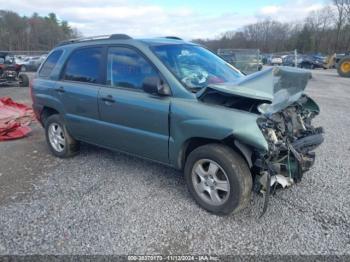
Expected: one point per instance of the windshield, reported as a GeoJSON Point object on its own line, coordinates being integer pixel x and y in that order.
{"type": "Point", "coordinates": [195, 66]}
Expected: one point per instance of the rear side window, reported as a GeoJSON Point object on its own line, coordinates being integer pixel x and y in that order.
{"type": "Point", "coordinates": [84, 65]}
{"type": "Point", "coordinates": [50, 63]}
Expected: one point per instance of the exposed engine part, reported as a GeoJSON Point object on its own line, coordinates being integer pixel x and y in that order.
{"type": "Point", "coordinates": [231, 101]}
{"type": "Point", "coordinates": [272, 135]}
{"type": "Point", "coordinates": [308, 143]}
{"type": "Point", "coordinates": [291, 139]}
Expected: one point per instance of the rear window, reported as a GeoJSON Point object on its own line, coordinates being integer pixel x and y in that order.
{"type": "Point", "coordinates": [50, 63]}
{"type": "Point", "coordinates": [84, 65]}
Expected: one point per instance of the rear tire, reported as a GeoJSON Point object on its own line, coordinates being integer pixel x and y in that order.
{"type": "Point", "coordinates": [229, 190]}
{"type": "Point", "coordinates": [58, 139]}
{"type": "Point", "coordinates": [23, 80]}
{"type": "Point", "coordinates": [344, 67]}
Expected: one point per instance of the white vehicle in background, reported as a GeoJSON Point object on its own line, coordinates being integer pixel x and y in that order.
{"type": "Point", "coordinates": [276, 60]}
{"type": "Point", "coordinates": [32, 63]}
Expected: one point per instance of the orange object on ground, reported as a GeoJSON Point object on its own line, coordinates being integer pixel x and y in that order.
{"type": "Point", "coordinates": [14, 119]}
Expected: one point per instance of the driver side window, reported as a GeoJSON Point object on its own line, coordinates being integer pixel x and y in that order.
{"type": "Point", "coordinates": [127, 68]}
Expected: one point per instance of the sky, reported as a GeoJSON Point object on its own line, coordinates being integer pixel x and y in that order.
{"type": "Point", "coordinates": [188, 19]}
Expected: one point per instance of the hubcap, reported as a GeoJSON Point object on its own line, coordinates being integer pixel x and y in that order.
{"type": "Point", "coordinates": [210, 182]}
{"type": "Point", "coordinates": [56, 137]}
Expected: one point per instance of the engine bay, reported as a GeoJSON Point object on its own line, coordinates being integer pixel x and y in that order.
{"type": "Point", "coordinates": [292, 139]}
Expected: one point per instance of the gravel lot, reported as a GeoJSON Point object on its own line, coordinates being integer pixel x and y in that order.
{"type": "Point", "coordinates": [102, 202]}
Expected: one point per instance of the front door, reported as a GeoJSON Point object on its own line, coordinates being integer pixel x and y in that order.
{"type": "Point", "coordinates": [132, 120]}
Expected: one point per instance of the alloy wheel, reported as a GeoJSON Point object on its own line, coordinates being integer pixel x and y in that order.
{"type": "Point", "coordinates": [210, 182]}
{"type": "Point", "coordinates": [56, 137]}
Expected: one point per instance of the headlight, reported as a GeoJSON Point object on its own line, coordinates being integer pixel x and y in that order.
{"type": "Point", "coordinates": [263, 108]}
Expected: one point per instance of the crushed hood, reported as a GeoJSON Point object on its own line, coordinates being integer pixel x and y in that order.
{"type": "Point", "coordinates": [280, 86]}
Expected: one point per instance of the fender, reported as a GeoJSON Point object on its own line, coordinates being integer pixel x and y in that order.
{"type": "Point", "coordinates": [190, 119]}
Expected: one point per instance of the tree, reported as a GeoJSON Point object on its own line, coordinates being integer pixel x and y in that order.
{"type": "Point", "coordinates": [32, 33]}
{"type": "Point", "coordinates": [341, 20]}
{"type": "Point", "coordinates": [323, 31]}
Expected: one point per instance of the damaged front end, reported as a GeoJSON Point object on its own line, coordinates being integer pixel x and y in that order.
{"type": "Point", "coordinates": [285, 114]}
{"type": "Point", "coordinates": [292, 140]}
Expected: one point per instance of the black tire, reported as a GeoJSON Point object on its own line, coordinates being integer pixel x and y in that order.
{"type": "Point", "coordinates": [340, 67]}
{"type": "Point", "coordinates": [71, 146]}
{"type": "Point", "coordinates": [237, 172]}
{"type": "Point", "coordinates": [23, 80]}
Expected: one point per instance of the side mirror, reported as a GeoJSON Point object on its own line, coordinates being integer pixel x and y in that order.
{"type": "Point", "coordinates": [155, 85]}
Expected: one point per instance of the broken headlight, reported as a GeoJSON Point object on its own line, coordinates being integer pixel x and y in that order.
{"type": "Point", "coordinates": [262, 108]}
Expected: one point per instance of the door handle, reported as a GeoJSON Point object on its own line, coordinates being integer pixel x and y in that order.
{"type": "Point", "coordinates": [60, 89]}
{"type": "Point", "coordinates": [108, 99]}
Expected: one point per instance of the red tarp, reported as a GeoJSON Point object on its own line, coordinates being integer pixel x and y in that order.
{"type": "Point", "coordinates": [14, 119]}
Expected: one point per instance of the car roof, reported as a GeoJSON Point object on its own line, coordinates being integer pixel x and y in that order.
{"type": "Point", "coordinates": [121, 39]}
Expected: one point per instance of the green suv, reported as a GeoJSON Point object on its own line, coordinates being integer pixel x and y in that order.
{"type": "Point", "coordinates": [177, 103]}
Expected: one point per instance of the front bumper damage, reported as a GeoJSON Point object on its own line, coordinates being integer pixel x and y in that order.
{"type": "Point", "coordinates": [285, 150]}
{"type": "Point", "coordinates": [292, 141]}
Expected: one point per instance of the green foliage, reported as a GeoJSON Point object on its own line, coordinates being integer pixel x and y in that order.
{"type": "Point", "coordinates": [32, 33]}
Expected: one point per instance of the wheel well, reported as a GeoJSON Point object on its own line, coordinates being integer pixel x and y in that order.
{"type": "Point", "coordinates": [46, 112]}
{"type": "Point", "coordinates": [196, 142]}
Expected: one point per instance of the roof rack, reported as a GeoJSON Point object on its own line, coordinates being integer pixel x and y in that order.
{"type": "Point", "coordinates": [94, 38]}
{"type": "Point", "coordinates": [174, 37]}
{"type": "Point", "coordinates": [120, 36]}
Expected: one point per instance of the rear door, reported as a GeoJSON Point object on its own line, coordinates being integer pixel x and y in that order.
{"type": "Point", "coordinates": [133, 121]}
{"type": "Point", "coordinates": [78, 89]}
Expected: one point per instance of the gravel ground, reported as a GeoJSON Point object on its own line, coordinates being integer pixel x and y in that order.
{"type": "Point", "coordinates": [102, 202]}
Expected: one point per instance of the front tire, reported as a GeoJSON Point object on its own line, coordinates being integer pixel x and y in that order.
{"type": "Point", "coordinates": [60, 142]}
{"type": "Point", "coordinates": [218, 178]}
